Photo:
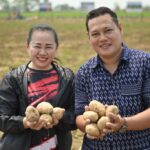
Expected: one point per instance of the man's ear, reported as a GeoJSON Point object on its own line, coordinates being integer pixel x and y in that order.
{"type": "Point", "coordinates": [88, 35]}
{"type": "Point", "coordinates": [120, 27]}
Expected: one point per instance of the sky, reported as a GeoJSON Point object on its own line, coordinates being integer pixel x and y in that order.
{"type": "Point", "coordinates": [98, 3]}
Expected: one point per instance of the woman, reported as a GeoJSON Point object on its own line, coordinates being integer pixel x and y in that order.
{"type": "Point", "coordinates": [41, 79]}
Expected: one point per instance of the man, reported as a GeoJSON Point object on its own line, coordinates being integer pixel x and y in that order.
{"type": "Point", "coordinates": [117, 75]}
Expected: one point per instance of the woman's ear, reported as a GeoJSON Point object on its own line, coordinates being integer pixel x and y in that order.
{"type": "Point", "coordinates": [27, 47]}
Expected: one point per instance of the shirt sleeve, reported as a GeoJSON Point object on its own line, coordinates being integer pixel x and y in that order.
{"type": "Point", "coordinates": [146, 84]}
{"type": "Point", "coordinates": [81, 98]}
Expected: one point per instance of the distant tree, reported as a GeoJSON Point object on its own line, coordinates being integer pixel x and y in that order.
{"type": "Point", "coordinates": [117, 8]}
{"type": "Point", "coordinates": [16, 7]}
{"type": "Point", "coordinates": [20, 5]}
{"type": "Point", "coordinates": [28, 4]}
{"type": "Point", "coordinates": [147, 8]}
{"type": "Point", "coordinates": [5, 5]}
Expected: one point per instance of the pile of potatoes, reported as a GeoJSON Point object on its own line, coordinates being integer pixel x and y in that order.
{"type": "Point", "coordinates": [43, 111]}
{"type": "Point", "coordinates": [98, 116]}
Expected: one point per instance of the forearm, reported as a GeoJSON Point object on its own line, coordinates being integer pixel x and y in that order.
{"type": "Point", "coordinates": [12, 124]}
{"type": "Point", "coordinates": [139, 121]}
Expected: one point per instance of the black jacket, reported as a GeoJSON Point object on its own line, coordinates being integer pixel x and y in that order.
{"type": "Point", "coordinates": [13, 103]}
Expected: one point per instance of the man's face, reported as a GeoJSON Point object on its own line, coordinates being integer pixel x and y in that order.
{"type": "Point", "coordinates": [105, 36]}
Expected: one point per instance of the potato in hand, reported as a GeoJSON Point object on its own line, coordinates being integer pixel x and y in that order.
{"type": "Point", "coordinates": [58, 112]}
{"type": "Point", "coordinates": [46, 118]}
{"type": "Point", "coordinates": [32, 114]}
{"type": "Point", "coordinates": [97, 107]}
{"type": "Point", "coordinates": [43, 112]}
{"type": "Point", "coordinates": [112, 109]}
{"type": "Point", "coordinates": [98, 115]}
{"type": "Point", "coordinates": [91, 115]}
{"type": "Point", "coordinates": [101, 123]}
{"type": "Point", "coordinates": [92, 130]}
{"type": "Point", "coordinates": [44, 108]}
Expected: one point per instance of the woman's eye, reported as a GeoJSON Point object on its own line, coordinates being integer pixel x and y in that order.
{"type": "Point", "coordinates": [48, 48]}
{"type": "Point", "coordinates": [36, 46]}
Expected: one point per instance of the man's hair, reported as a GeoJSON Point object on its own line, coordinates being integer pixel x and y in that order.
{"type": "Point", "coordinates": [42, 27]}
{"type": "Point", "coordinates": [99, 12]}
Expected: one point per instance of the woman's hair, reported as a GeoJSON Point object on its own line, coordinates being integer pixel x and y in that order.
{"type": "Point", "coordinates": [42, 27]}
{"type": "Point", "coordinates": [99, 12]}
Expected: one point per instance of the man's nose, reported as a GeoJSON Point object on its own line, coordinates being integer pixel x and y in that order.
{"type": "Point", "coordinates": [102, 36]}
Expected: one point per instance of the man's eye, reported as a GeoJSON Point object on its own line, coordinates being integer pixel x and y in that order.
{"type": "Point", "coordinates": [108, 30]}
{"type": "Point", "coordinates": [95, 34]}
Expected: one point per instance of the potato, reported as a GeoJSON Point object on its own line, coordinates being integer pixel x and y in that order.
{"type": "Point", "coordinates": [92, 130]}
{"type": "Point", "coordinates": [46, 118]}
{"type": "Point", "coordinates": [113, 109]}
{"type": "Point", "coordinates": [91, 115]}
{"type": "Point", "coordinates": [32, 114]}
{"type": "Point", "coordinates": [44, 108]}
{"type": "Point", "coordinates": [101, 124]}
{"type": "Point", "coordinates": [59, 112]}
{"type": "Point", "coordinates": [97, 107]}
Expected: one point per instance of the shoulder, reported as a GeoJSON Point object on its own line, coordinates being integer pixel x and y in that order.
{"type": "Point", "coordinates": [18, 71]}
{"type": "Point", "coordinates": [135, 53]}
{"type": "Point", "coordinates": [15, 72]}
{"type": "Point", "coordinates": [87, 66]}
{"type": "Point", "coordinates": [13, 77]}
{"type": "Point", "coordinates": [64, 71]}
{"type": "Point", "coordinates": [139, 58]}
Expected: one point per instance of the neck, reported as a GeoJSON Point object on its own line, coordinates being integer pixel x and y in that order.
{"type": "Point", "coordinates": [31, 65]}
{"type": "Point", "coordinates": [111, 63]}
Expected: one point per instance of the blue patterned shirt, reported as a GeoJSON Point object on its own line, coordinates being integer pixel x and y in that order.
{"type": "Point", "coordinates": [128, 88]}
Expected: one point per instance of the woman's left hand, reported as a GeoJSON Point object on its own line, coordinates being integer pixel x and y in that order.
{"type": "Point", "coordinates": [54, 122]}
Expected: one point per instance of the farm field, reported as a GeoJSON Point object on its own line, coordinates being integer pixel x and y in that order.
{"type": "Point", "coordinates": [74, 48]}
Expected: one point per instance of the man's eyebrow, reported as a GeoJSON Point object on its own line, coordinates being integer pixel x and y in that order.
{"type": "Point", "coordinates": [49, 44]}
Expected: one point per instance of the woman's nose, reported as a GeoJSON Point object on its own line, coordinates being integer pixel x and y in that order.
{"type": "Point", "coordinates": [42, 50]}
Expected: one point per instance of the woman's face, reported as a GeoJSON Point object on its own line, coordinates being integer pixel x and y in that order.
{"type": "Point", "coordinates": [42, 49]}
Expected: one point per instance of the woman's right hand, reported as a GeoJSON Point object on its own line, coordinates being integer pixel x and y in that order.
{"type": "Point", "coordinates": [36, 125]}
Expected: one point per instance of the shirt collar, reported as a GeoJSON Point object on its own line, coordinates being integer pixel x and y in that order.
{"type": "Point", "coordinates": [124, 57]}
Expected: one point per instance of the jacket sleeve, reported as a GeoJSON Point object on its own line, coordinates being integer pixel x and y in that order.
{"type": "Point", "coordinates": [67, 101]}
{"type": "Point", "coordinates": [10, 120]}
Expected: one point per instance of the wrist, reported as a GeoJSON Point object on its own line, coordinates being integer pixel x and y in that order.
{"type": "Point", "coordinates": [124, 126]}
{"type": "Point", "coordinates": [25, 123]}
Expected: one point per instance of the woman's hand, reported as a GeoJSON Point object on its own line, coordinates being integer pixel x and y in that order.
{"type": "Point", "coordinates": [37, 125]}
{"type": "Point", "coordinates": [41, 123]}
{"type": "Point", "coordinates": [55, 121]}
